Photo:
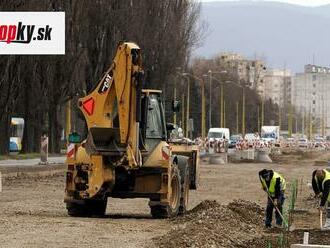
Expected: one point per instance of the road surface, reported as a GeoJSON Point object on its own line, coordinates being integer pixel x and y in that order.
{"type": "Point", "coordinates": [30, 162]}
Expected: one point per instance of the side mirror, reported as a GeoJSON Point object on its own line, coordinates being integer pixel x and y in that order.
{"type": "Point", "coordinates": [176, 106]}
{"type": "Point", "coordinates": [74, 138]}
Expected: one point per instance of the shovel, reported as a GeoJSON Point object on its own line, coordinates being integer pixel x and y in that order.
{"type": "Point", "coordinates": [279, 212]}
{"type": "Point", "coordinates": [321, 219]}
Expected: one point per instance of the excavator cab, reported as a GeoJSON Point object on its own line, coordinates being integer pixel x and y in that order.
{"type": "Point", "coordinates": [153, 126]}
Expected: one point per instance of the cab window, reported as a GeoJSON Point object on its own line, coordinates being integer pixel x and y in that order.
{"type": "Point", "coordinates": [154, 122]}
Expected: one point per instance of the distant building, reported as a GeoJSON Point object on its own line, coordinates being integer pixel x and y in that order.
{"type": "Point", "coordinates": [277, 86]}
{"type": "Point", "coordinates": [252, 72]}
{"type": "Point", "coordinates": [311, 95]}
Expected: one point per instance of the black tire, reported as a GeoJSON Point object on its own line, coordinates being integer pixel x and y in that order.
{"type": "Point", "coordinates": [194, 184]}
{"type": "Point", "coordinates": [184, 190]}
{"type": "Point", "coordinates": [172, 209]}
{"type": "Point", "coordinates": [87, 208]}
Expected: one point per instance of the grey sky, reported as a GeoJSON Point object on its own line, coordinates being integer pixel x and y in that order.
{"type": "Point", "coordinates": [311, 3]}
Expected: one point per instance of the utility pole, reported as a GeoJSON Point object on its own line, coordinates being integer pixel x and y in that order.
{"type": "Point", "coordinates": [258, 114]}
{"type": "Point", "coordinates": [174, 98]}
{"type": "Point", "coordinates": [237, 128]}
{"type": "Point", "coordinates": [262, 111]}
{"type": "Point", "coordinates": [182, 114]}
{"type": "Point", "coordinates": [323, 129]}
{"type": "Point", "coordinates": [221, 106]}
{"type": "Point", "coordinates": [303, 124]}
{"type": "Point", "coordinates": [290, 121]}
{"type": "Point", "coordinates": [310, 126]}
{"type": "Point", "coordinates": [243, 112]}
{"type": "Point", "coordinates": [188, 106]}
{"type": "Point", "coordinates": [210, 105]}
{"type": "Point", "coordinates": [279, 117]}
{"type": "Point", "coordinates": [203, 109]}
{"type": "Point", "coordinates": [224, 113]}
{"type": "Point", "coordinates": [68, 119]}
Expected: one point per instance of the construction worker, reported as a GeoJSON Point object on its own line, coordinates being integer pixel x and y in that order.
{"type": "Point", "coordinates": [321, 187]}
{"type": "Point", "coordinates": [274, 184]}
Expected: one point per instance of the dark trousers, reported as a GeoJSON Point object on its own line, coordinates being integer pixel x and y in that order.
{"type": "Point", "coordinates": [269, 211]}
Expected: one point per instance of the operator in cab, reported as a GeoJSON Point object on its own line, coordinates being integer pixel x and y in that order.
{"type": "Point", "coordinates": [321, 187]}
{"type": "Point", "coordinates": [274, 185]}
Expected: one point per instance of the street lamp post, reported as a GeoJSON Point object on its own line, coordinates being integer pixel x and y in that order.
{"type": "Point", "coordinates": [174, 92]}
{"type": "Point", "coordinates": [221, 97]}
{"type": "Point", "coordinates": [210, 104]}
{"type": "Point", "coordinates": [222, 107]}
{"type": "Point", "coordinates": [237, 128]}
{"type": "Point", "coordinates": [203, 107]}
{"type": "Point", "coordinates": [243, 112]}
{"type": "Point", "coordinates": [186, 75]}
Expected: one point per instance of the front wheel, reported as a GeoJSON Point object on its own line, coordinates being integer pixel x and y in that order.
{"type": "Point", "coordinates": [184, 190]}
{"type": "Point", "coordinates": [172, 208]}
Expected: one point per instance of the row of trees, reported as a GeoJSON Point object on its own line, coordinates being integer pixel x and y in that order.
{"type": "Point", "coordinates": [37, 87]}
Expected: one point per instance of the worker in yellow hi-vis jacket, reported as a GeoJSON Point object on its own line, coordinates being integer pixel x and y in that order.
{"type": "Point", "coordinates": [321, 187]}
{"type": "Point", "coordinates": [274, 184]}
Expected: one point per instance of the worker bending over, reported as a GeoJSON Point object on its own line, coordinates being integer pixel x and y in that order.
{"type": "Point", "coordinates": [274, 184]}
{"type": "Point", "coordinates": [321, 187]}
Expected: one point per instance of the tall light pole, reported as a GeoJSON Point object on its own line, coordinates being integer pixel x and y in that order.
{"type": "Point", "coordinates": [211, 73]}
{"type": "Point", "coordinates": [290, 121]}
{"type": "Point", "coordinates": [279, 117]}
{"type": "Point", "coordinates": [258, 114]}
{"type": "Point", "coordinates": [186, 75]}
{"type": "Point", "coordinates": [224, 113]}
{"type": "Point", "coordinates": [262, 111]}
{"type": "Point", "coordinates": [222, 107]}
{"type": "Point", "coordinates": [210, 104]}
{"type": "Point", "coordinates": [203, 106]}
{"type": "Point", "coordinates": [68, 120]}
{"type": "Point", "coordinates": [243, 112]}
{"type": "Point", "coordinates": [237, 128]}
{"type": "Point", "coordinates": [174, 92]}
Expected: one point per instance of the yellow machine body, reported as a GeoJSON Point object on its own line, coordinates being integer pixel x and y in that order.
{"type": "Point", "coordinates": [126, 153]}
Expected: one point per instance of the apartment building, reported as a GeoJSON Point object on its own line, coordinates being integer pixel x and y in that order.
{"type": "Point", "coordinates": [311, 95]}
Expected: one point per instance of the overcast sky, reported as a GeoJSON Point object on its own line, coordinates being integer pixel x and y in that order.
{"type": "Point", "coordinates": [299, 2]}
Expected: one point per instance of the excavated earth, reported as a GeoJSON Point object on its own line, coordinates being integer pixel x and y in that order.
{"type": "Point", "coordinates": [238, 224]}
{"type": "Point", "coordinates": [210, 224]}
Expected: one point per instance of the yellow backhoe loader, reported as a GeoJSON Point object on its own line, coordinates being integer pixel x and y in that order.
{"type": "Point", "coordinates": [126, 153]}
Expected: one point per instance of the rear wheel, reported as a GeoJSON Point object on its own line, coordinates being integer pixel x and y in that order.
{"type": "Point", "coordinates": [184, 191]}
{"type": "Point", "coordinates": [172, 209]}
{"type": "Point", "coordinates": [87, 208]}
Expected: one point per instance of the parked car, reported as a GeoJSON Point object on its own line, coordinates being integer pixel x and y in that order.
{"type": "Point", "coordinates": [234, 139]}
{"type": "Point", "coordinates": [319, 142]}
{"type": "Point", "coordinates": [303, 143]}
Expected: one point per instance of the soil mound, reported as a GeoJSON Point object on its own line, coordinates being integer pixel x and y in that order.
{"type": "Point", "coordinates": [210, 224]}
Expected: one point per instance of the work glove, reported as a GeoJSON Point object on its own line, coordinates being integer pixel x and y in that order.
{"type": "Point", "coordinates": [275, 202]}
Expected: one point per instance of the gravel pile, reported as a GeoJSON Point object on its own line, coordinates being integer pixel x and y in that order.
{"type": "Point", "coordinates": [210, 224]}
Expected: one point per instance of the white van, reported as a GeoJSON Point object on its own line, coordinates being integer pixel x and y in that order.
{"type": "Point", "coordinates": [217, 133]}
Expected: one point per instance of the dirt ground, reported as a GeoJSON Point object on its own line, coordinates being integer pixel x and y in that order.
{"type": "Point", "coordinates": [32, 212]}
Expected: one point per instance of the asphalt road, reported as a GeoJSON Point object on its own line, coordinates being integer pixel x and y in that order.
{"type": "Point", "coordinates": [30, 162]}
